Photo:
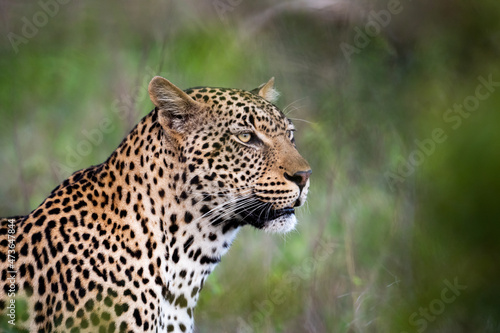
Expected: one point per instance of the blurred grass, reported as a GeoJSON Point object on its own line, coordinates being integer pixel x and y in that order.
{"type": "Point", "coordinates": [368, 254]}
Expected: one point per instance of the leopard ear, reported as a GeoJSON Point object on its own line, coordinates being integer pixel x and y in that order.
{"type": "Point", "coordinates": [176, 109]}
{"type": "Point", "coordinates": [267, 91]}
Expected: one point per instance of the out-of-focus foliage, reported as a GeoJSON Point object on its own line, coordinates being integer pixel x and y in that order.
{"type": "Point", "coordinates": [397, 108]}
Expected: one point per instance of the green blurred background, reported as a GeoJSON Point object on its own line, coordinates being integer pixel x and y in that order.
{"type": "Point", "coordinates": [394, 112]}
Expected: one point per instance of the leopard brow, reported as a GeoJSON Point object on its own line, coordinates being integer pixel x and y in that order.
{"type": "Point", "coordinates": [240, 130]}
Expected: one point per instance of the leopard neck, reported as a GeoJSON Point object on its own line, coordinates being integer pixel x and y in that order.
{"type": "Point", "coordinates": [180, 229]}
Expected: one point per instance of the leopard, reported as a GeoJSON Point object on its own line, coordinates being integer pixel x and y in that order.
{"type": "Point", "coordinates": [127, 245]}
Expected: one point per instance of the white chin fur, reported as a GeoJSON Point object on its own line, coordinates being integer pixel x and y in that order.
{"type": "Point", "coordinates": [282, 224]}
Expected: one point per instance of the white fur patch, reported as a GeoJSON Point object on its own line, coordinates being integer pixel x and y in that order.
{"type": "Point", "coordinates": [271, 95]}
{"type": "Point", "coordinates": [282, 224]}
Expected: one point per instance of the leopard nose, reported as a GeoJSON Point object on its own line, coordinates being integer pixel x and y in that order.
{"type": "Point", "coordinates": [300, 178]}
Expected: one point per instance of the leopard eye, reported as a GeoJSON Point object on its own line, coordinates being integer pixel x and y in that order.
{"type": "Point", "coordinates": [245, 137]}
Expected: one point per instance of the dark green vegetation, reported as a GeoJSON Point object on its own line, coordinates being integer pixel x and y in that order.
{"type": "Point", "coordinates": [401, 231]}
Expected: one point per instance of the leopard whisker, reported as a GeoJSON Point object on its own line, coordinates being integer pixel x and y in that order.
{"type": "Point", "coordinates": [303, 120]}
{"type": "Point", "coordinates": [208, 195]}
{"type": "Point", "coordinates": [291, 105]}
{"type": "Point", "coordinates": [222, 206]}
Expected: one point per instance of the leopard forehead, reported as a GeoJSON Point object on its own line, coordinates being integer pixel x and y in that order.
{"type": "Point", "coordinates": [242, 109]}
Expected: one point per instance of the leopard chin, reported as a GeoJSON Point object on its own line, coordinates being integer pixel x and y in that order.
{"type": "Point", "coordinates": [282, 224]}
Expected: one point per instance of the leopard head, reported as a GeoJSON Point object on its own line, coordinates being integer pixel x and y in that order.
{"type": "Point", "coordinates": [236, 153]}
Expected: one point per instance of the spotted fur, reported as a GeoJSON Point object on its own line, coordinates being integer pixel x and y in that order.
{"type": "Point", "coordinates": [126, 245]}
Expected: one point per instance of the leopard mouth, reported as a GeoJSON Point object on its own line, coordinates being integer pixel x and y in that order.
{"type": "Point", "coordinates": [261, 218]}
